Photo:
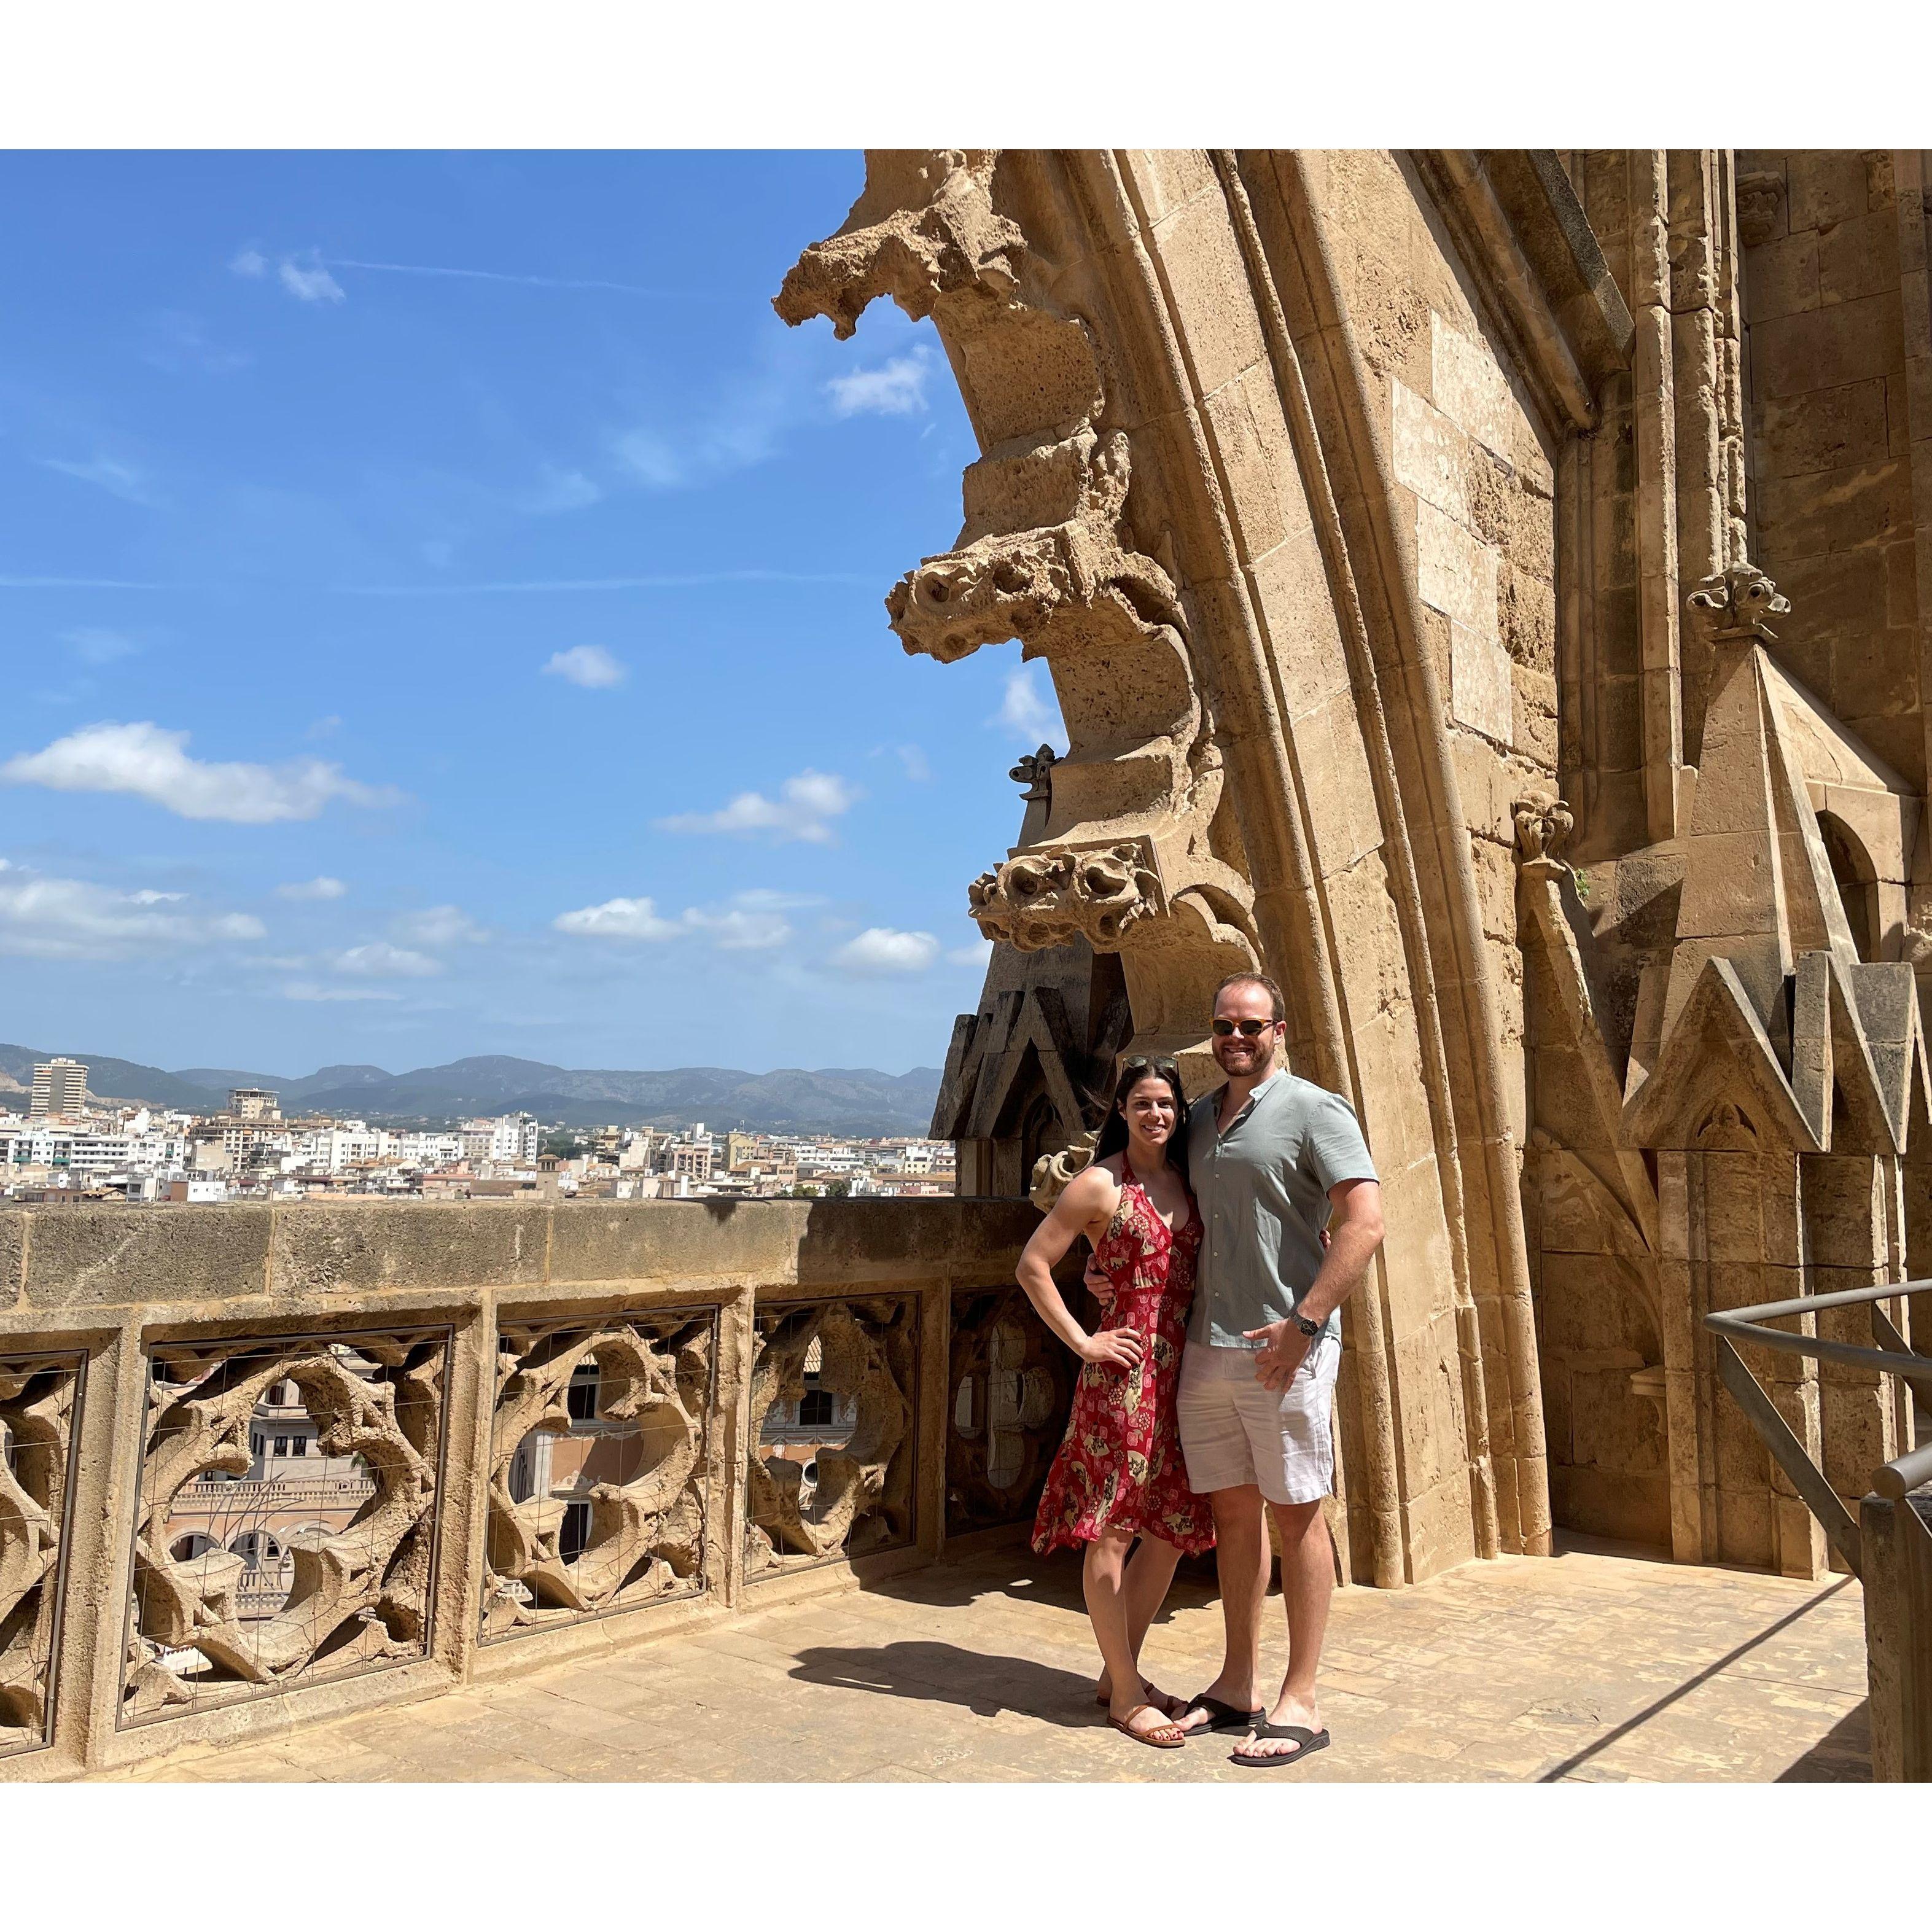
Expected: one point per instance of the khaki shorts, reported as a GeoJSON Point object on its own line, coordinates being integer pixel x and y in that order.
{"type": "Point", "coordinates": [1233, 1431]}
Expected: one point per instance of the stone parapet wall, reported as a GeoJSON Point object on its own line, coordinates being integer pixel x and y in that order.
{"type": "Point", "coordinates": [653, 1343]}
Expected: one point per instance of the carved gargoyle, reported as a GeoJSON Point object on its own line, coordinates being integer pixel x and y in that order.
{"type": "Point", "coordinates": [923, 227]}
{"type": "Point", "coordinates": [1735, 604]}
{"type": "Point", "coordinates": [1033, 771]}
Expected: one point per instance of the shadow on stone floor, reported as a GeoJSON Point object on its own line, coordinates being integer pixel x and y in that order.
{"type": "Point", "coordinates": [1842, 1756]}
{"type": "Point", "coordinates": [929, 1672]}
{"type": "Point", "coordinates": [1017, 1573]}
{"type": "Point", "coordinates": [1571, 1765]}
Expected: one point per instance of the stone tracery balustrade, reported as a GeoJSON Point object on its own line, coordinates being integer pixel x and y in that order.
{"type": "Point", "coordinates": [37, 1400]}
{"type": "Point", "coordinates": [360, 1593]}
{"type": "Point", "coordinates": [1011, 1386]}
{"type": "Point", "coordinates": [171, 1573]}
{"type": "Point", "coordinates": [640, 1492]}
{"type": "Point", "coordinates": [853, 1494]}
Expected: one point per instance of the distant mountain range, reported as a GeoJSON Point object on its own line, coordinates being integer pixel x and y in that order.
{"type": "Point", "coordinates": [836, 1099]}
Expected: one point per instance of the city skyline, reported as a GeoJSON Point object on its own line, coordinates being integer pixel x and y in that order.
{"type": "Point", "coordinates": [444, 607]}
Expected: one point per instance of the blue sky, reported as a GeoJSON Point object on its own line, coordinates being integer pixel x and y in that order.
{"type": "Point", "coordinates": [403, 664]}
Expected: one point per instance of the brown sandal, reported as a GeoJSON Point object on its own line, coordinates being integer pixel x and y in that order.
{"type": "Point", "coordinates": [1162, 1701]}
{"type": "Point", "coordinates": [1163, 1737]}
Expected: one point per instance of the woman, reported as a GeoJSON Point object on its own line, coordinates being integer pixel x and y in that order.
{"type": "Point", "coordinates": [1119, 1474]}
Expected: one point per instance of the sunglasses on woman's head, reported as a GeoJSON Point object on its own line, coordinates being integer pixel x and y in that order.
{"type": "Point", "coordinates": [1247, 1029]}
{"type": "Point", "coordinates": [1132, 1070]}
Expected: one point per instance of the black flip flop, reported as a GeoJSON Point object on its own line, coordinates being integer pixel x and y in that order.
{"type": "Point", "coordinates": [1296, 1734]}
{"type": "Point", "coordinates": [1220, 1716]}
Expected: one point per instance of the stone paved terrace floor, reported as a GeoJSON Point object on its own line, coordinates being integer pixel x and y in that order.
{"type": "Point", "coordinates": [1594, 1665]}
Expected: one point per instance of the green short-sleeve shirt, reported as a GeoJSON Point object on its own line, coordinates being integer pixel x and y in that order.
{"type": "Point", "coordinates": [1263, 1188]}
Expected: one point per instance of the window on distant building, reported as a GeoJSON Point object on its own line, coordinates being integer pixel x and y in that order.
{"type": "Point", "coordinates": [575, 1533]}
{"type": "Point", "coordinates": [816, 1409]}
{"type": "Point", "coordinates": [281, 1445]}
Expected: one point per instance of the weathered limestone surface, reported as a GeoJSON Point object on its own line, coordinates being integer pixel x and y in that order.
{"type": "Point", "coordinates": [1358, 502]}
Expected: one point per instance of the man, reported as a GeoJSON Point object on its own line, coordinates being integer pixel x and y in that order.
{"type": "Point", "coordinates": [1276, 1163]}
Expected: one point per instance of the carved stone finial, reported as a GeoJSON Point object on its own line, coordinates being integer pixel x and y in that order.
{"type": "Point", "coordinates": [1035, 772]}
{"type": "Point", "coordinates": [1544, 824]}
{"type": "Point", "coordinates": [1050, 896]}
{"type": "Point", "coordinates": [1733, 605]}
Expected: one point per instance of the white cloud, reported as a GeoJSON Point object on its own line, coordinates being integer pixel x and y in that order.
{"type": "Point", "coordinates": [437, 925]}
{"type": "Point", "coordinates": [751, 921]}
{"type": "Point", "coordinates": [589, 666]}
{"type": "Point", "coordinates": [46, 918]}
{"type": "Point", "coordinates": [737, 929]}
{"type": "Point", "coordinates": [1031, 712]}
{"type": "Point", "coordinates": [249, 261]}
{"type": "Point", "coordinates": [95, 647]}
{"type": "Point", "coordinates": [896, 389]}
{"type": "Point", "coordinates": [918, 765]}
{"type": "Point", "coordinates": [619, 918]}
{"type": "Point", "coordinates": [302, 989]}
{"type": "Point", "coordinates": [105, 472]}
{"type": "Point", "coordinates": [322, 888]}
{"type": "Point", "coordinates": [154, 764]}
{"type": "Point", "coordinates": [379, 960]}
{"type": "Point", "coordinates": [977, 954]}
{"type": "Point", "coordinates": [880, 949]}
{"type": "Point", "coordinates": [312, 284]}
{"type": "Point", "coordinates": [805, 808]}
{"type": "Point", "coordinates": [558, 491]}
{"type": "Point", "coordinates": [325, 727]}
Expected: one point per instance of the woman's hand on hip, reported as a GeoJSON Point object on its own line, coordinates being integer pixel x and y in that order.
{"type": "Point", "coordinates": [1114, 1348]}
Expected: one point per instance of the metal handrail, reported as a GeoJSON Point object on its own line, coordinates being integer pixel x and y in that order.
{"type": "Point", "coordinates": [1904, 1473]}
{"type": "Point", "coordinates": [1896, 1478]}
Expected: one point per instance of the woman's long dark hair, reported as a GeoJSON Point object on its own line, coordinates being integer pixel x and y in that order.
{"type": "Point", "coordinates": [1114, 1133]}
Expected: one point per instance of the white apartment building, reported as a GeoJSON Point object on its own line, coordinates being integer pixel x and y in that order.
{"type": "Point", "coordinates": [512, 1139]}
{"type": "Point", "coordinates": [60, 1088]}
{"type": "Point", "coordinates": [341, 1144]}
{"type": "Point", "coordinates": [88, 1153]}
{"type": "Point", "coordinates": [429, 1150]}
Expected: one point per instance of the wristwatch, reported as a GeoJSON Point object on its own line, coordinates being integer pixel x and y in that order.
{"type": "Point", "coordinates": [1310, 1329]}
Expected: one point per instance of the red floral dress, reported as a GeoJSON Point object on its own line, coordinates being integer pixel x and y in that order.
{"type": "Point", "coordinates": [1119, 1467]}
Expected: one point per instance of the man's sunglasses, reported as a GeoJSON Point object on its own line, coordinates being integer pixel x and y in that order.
{"type": "Point", "coordinates": [1247, 1029]}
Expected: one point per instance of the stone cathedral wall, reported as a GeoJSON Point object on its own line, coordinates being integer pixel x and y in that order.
{"type": "Point", "coordinates": [1392, 524]}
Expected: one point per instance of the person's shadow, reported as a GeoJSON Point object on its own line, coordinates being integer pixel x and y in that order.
{"type": "Point", "coordinates": [943, 1673]}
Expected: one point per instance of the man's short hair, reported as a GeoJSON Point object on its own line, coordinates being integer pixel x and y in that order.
{"type": "Point", "coordinates": [1260, 980]}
